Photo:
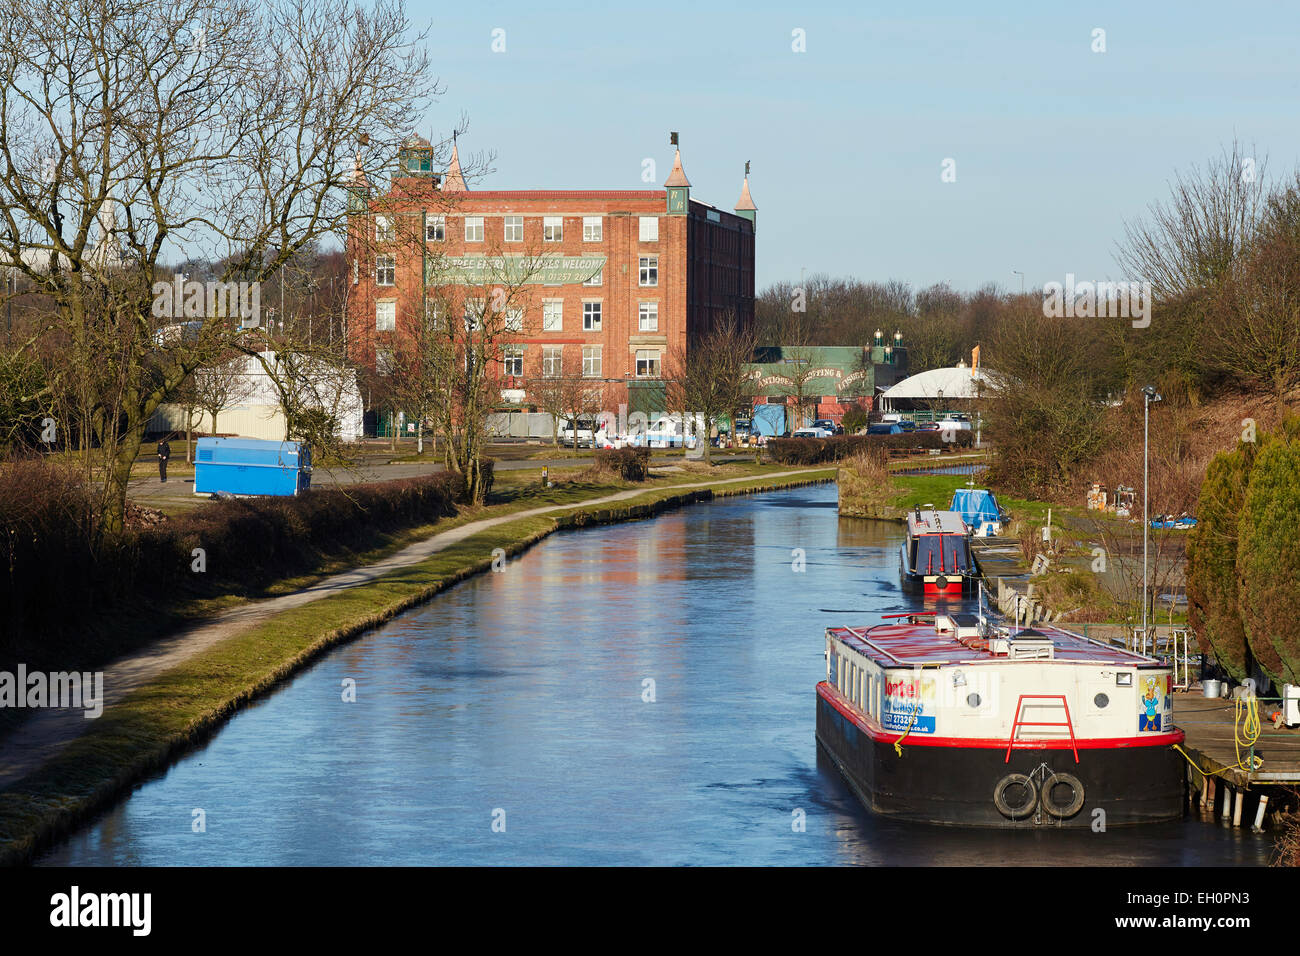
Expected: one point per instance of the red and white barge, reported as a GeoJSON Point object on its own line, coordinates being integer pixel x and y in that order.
{"type": "Point", "coordinates": [950, 718]}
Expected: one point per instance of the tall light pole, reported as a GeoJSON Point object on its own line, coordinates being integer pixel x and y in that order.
{"type": "Point", "coordinates": [1149, 395]}
{"type": "Point", "coordinates": [1017, 272]}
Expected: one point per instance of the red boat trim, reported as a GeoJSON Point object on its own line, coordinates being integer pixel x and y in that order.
{"type": "Point", "coordinates": [878, 733]}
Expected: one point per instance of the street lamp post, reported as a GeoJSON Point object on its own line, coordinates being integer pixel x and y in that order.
{"type": "Point", "coordinates": [1149, 395]}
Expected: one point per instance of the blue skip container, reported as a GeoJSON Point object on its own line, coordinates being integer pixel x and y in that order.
{"type": "Point", "coordinates": [251, 466]}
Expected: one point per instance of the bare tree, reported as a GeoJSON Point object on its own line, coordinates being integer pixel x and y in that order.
{"type": "Point", "coordinates": [579, 396]}
{"type": "Point", "coordinates": [1251, 332]}
{"type": "Point", "coordinates": [129, 125]}
{"type": "Point", "coordinates": [563, 393]}
{"type": "Point", "coordinates": [222, 385]}
{"type": "Point", "coordinates": [547, 391]}
{"type": "Point", "coordinates": [447, 366]}
{"type": "Point", "coordinates": [798, 372]}
{"type": "Point", "coordinates": [186, 399]}
{"type": "Point", "coordinates": [1044, 411]}
{"type": "Point", "coordinates": [710, 380]}
{"type": "Point", "coordinates": [1191, 242]}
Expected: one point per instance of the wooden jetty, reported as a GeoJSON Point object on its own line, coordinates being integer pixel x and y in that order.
{"type": "Point", "coordinates": [1224, 775]}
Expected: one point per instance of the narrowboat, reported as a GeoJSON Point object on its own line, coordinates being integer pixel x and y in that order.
{"type": "Point", "coordinates": [936, 558]}
{"type": "Point", "coordinates": [955, 719]}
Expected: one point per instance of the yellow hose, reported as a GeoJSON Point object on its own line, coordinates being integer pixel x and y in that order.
{"type": "Point", "coordinates": [1244, 734]}
{"type": "Point", "coordinates": [898, 744]}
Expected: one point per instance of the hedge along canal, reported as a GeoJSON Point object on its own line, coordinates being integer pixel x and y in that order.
{"type": "Point", "coordinates": [183, 706]}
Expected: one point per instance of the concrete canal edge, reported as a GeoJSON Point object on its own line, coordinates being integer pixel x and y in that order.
{"type": "Point", "coordinates": [179, 710]}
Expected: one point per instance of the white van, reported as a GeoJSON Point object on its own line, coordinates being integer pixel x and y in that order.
{"type": "Point", "coordinates": [586, 434]}
{"type": "Point", "coordinates": [666, 432]}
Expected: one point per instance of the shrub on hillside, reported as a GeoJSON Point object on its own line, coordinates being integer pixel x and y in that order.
{"type": "Point", "coordinates": [1212, 605]}
{"type": "Point", "coordinates": [631, 464]}
{"type": "Point", "coordinates": [1268, 560]}
{"type": "Point", "coordinates": [1243, 571]}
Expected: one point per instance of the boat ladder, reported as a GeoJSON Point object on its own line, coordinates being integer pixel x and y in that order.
{"type": "Point", "coordinates": [1017, 723]}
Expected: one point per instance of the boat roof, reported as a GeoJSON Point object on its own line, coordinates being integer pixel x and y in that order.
{"type": "Point", "coordinates": [932, 522]}
{"type": "Point", "coordinates": [910, 643]}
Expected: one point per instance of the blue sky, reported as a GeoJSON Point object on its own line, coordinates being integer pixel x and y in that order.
{"type": "Point", "coordinates": [1055, 146]}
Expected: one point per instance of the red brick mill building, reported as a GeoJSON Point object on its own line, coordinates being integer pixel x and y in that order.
{"type": "Point", "coordinates": [629, 277]}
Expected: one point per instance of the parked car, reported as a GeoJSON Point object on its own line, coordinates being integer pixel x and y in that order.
{"type": "Point", "coordinates": [813, 432]}
{"type": "Point", "coordinates": [905, 425]}
{"type": "Point", "coordinates": [884, 428]}
{"type": "Point", "coordinates": [955, 423]}
{"type": "Point", "coordinates": [586, 434]}
{"type": "Point", "coordinates": [928, 427]}
{"type": "Point", "coordinates": [829, 425]}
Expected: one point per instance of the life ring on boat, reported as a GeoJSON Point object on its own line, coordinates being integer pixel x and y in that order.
{"type": "Point", "coordinates": [1062, 811]}
{"type": "Point", "coordinates": [1018, 810]}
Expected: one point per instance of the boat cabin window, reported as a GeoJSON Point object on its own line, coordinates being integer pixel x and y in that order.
{"type": "Point", "coordinates": [940, 553]}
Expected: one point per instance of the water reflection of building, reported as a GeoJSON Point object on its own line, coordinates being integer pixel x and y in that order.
{"type": "Point", "coordinates": [868, 533]}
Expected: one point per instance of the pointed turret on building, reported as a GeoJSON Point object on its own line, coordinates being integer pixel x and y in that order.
{"type": "Point", "coordinates": [678, 186]}
{"type": "Point", "coordinates": [745, 204]}
{"type": "Point", "coordinates": [358, 187]}
{"type": "Point", "coordinates": [454, 182]}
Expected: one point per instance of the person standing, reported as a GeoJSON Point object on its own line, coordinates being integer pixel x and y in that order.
{"type": "Point", "coordinates": [164, 452]}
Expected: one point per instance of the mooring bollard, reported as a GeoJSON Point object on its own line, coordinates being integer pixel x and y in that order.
{"type": "Point", "coordinates": [1259, 814]}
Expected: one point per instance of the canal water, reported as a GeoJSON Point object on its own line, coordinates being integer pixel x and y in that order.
{"type": "Point", "coordinates": [630, 694]}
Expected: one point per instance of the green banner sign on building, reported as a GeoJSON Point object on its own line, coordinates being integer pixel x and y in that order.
{"type": "Point", "coordinates": [513, 270]}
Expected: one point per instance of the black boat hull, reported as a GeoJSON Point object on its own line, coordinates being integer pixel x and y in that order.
{"type": "Point", "coordinates": [958, 785]}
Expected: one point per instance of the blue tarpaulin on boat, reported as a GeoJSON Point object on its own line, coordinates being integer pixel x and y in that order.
{"type": "Point", "coordinates": [976, 505]}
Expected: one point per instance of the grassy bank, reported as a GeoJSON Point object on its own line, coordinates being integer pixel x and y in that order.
{"type": "Point", "coordinates": [1072, 585]}
{"type": "Point", "coordinates": [153, 726]}
{"type": "Point", "coordinates": [891, 496]}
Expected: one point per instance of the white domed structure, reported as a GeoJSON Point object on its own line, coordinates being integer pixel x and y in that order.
{"type": "Point", "coordinates": [922, 390]}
